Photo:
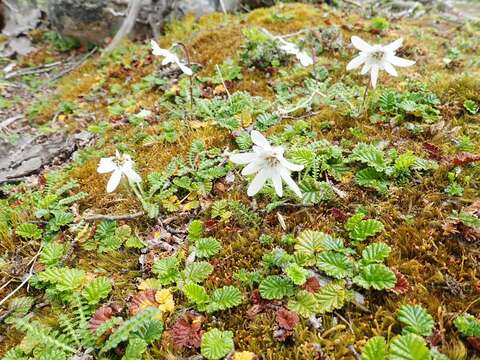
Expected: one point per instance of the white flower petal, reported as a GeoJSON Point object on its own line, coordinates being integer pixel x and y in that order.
{"type": "Point", "coordinates": [131, 174]}
{"type": "Point", "coordinates": [243, 158]}
{"type": "Point", "coordinates": [258, 182]}
{"type": "Point", "coordinates": [398, 61]}
{"type": "Point", "coordinates": [106, 165]}
{"type": "Point", "coordinates": [356, 62]}
{"type": "Point", "coordinates": [157, 50]}
{"type": "Point", "coordinates": [290, 166]}
{"type": "Point", "coordinates": [374, 75]}
{"type": "Point", "coordinates": [285, 174]}
{"type": "Point", "coordinates": [185, 69]}
{"type": "Point", "coordinates": [360, 44]}
{"type": "Point", "coordinates": [289, 48]}
{"type": "Point", "coordinates": [260, 140]}
{"type": "Point", "coordinates": [366, 68]}
{"type": "Point", "coordinates": [393, 46]}
{"type": "Point", "coordinates": [253, 167]}
{"type": "Point", "coordinates": [114, 180]}
{"type": "Point", "coordinates": [305, 59]}
{"type": "Point", "coordinates": [168, 60]}
{"type": "Point", "coordinates": [389, 68]}
{"type": "Point", "coordinates": [277, 183]}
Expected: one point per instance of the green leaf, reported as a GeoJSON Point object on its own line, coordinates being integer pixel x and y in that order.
{"type": "Point", "coordinates": [468, 325]}
{"type": "Point", "coordinates": [331, 296]}
{"type": "Point", "coordinates": [51, 254]}
{"type": "Point", "coordinates": [360, 230]}
{"type": "Point", "coordinates": [376, 276]}
{"type": "Point", "coordinates": [64, 279]}
{"type": "Point", "coordinates": [150, 331]}
{"type": "Point", "coordinates": [197, 271]}
{"type": "Point", "coordinates": [408, 347]}
{"type": "Point", "coordinates": [216, 344]}
{"type": "Point", "coordinates": [335, 264]}
{"type": "Point", "coordinates": [304, 304]}
{"type": "Point", "coordinates": [370, 155]}
{"type": "Point", "coordinates": [314, 192]}
{"type": "Point", "coordinates": [311, 242]}
{"type": "Point", "coordinates": [416, 320]}
{"type": "Point", "coordinates": [207, 247]}
{"type": "Point", "coordinates": [135, 349]}
{"type": "Point", "coordinates": [195, 293]}
{"type": "Point", "coordinates": [166, 270]}
{"type": "Point", "coordinates": [371, 178]}
{"type": "Point", "coordinates": [275, 287]}
{"type": "Point", "coordinates": [375, 349]}
{"type": "Point", "coordinates": [29, 231]}
{"type": "Point", "coordinates": [195, 230]}
{"type": "Point", "coordinates": [225, 298]}
{"type": "Point", "coordinates": [97, 289]}
{"type": "Point", "coordinates": [375, 253]}
{"type": "Point", "coordinates": [296, 273]}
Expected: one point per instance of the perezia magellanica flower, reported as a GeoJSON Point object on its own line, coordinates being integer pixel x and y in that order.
{"type": "Point", "coordinates": [169, 58]}
{"type": "Point", "coordinates": [267, 162]}
{"type": "Point", "coordinates": [119, 165]}
{"type": "Point", "coordinates": [377, 57]}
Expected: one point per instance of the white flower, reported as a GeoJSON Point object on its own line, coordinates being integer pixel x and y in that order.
{"type": "Point", "coordinates": [121, 164]}
{"type": "Point", "coordinates": [377, 57]}
{"type": "Point", "coordinates": [302, 56]}
{"type": "Point", "coordinates": [268, 163]}
{"type": "Point", "coordinates": [169, 58]}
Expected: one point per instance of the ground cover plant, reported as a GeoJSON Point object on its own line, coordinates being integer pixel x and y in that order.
{"type": "Point", "coordinates": [246, 193]}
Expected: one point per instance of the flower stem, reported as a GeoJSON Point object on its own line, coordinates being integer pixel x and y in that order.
{"type": "Point", "coordinates": [187, 56]}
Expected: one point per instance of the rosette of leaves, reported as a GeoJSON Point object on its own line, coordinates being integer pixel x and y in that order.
{"type": "Point", "coordinates": [216, 344]}
{"type": "Point", "coordinates": [260, 51]}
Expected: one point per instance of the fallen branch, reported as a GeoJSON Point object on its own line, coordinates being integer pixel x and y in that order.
{"type": "Point", "coordinates": [114, 217]}
{"type": "Point", "coordinates": [73, 67]}
{"type": "Point", "coordinates": [33, 70]}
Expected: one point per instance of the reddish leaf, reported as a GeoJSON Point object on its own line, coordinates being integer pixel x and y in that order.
{"type": "Point", "coordinates": [435, 339]}
{"type": "Point", "coordinates": [465, 158]}
{"type": "Point", "coordinates": [312, 285]}
{"type": "Point", "coordinates": [287, 319]}
{"type": "Point", "coordinates": [102, 314]}
{"type": "Point", "coordinates": [434, 152]}
{"type": "Point", "coordinates": [142, 300]}
{"type": "Point", "coordinates": [255, 310]}
{"type": "Point", "coordinates": [339, 215]}
{"type": "Point", "coordinates": [474, 342]}
{"type": "Point", "coordinates": [187, 331]}
{"type": "Point", "coordinates": [402, 285]}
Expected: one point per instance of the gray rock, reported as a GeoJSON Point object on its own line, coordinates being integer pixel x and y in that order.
{"type": "Point", "coordinates": [31, 154]}
{"type": "Point", "coordinates": [96, 21]}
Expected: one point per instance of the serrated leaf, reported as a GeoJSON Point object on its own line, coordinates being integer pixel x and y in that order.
{"type": "Point", "coordinates": [314, 192]}
{"type": "Point", "coordinates": [375, 349]}
{"type": "Point", "coordinates": [135, 349]}
{"type": "Point", "coordinates": [225, 298]}
{"type": "Point", "coordinates": [197, 271]}
{"type": "Point", "coordinates": [166, 270]}
{"type": "Point", "coordinates": [376, 253]}
{"type": "Point", "coordinates": [195, 293]}
{"type": "Point", "coordinates": [376, 276]}
{"type": "Point", "coordinates": [97, 289]}
{"type": "Point", "coordinates": [370, 155]}
{"type": "Point", "coordinates": [216, 344]}
{"type": "Point", "coordinates": [303, 304]}
{"type": "Point", "coordinates": [416, 320]}
{"type": "Point", "coordinates": [207, 247]}
{"type": "Point", "coordinates": [468, 325]}
{"type": "Point", "coordinates": [51, 254]}
{"type": "Point", "coordinates": [408, 347]}
{"type": "Point", "coordinates": [296, 273]}
{"type": "Point", "coordinates": [331, 296]}
{"type": "Point", "coordinates": [29, 231]}
{"type": "Point", "coordinates": [195, 230]}
{"type": "Point", "coordinates": [360, 230]}
{"type": "Point", "coordinates": [335, 264]}
{"type": "Point", "coordinates": [371, 178]}
{"type": "Point", "coordinates": [312, 242]}
{"type": "Point", "coordinates": [275, 287]}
